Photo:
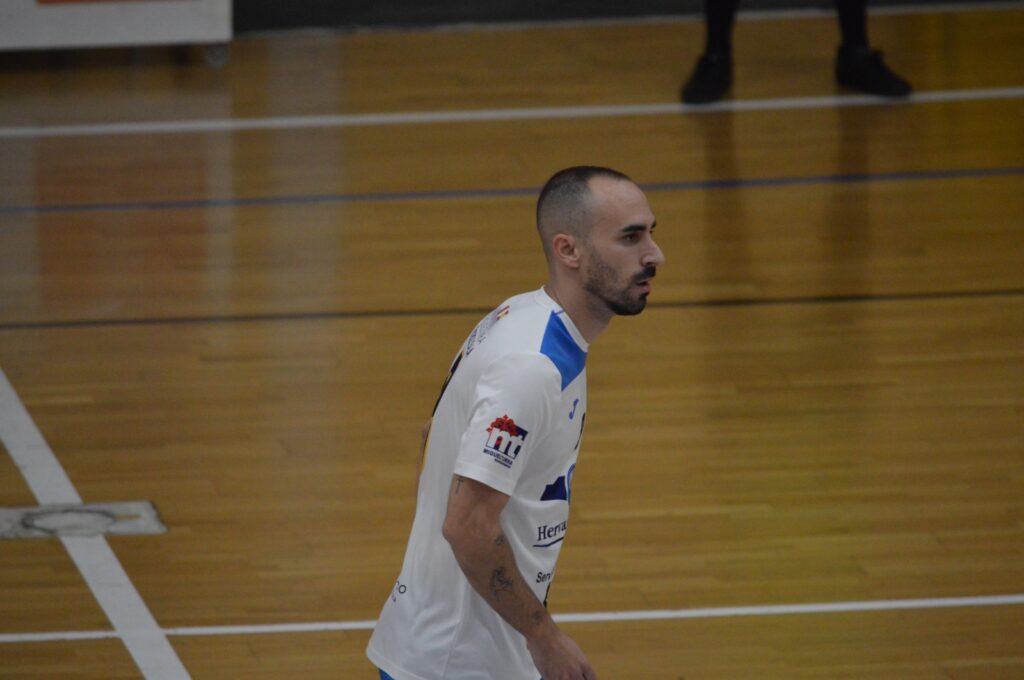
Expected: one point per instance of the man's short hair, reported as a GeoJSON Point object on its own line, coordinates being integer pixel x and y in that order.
{"type": "Point", "coordinates": [564, 203]}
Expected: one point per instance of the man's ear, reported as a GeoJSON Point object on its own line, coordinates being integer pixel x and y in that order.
{"type": "Point", "coordinates": [565, 249]}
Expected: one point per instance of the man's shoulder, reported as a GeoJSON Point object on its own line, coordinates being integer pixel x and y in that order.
{"type": "Point", "coordinates": [532, 307]}
{"type": "Point", "coordinates": [528, 331]}
{"type": "Point", "coordinates": [516, 325]}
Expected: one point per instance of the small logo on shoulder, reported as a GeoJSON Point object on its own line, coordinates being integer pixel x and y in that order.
{"type": "Point", "coordinates": [479, 333]}
{"type": "Point", "coordinates": [504, 440]}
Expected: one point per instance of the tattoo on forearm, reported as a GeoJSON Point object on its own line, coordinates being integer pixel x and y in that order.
{"type": "Point", "coordinates": [500, 541]}
{"type": "Point", "coordinates": [501, 583]}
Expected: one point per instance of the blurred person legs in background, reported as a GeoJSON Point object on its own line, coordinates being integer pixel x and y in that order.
{"type": "Point", "coordinates": [857, 66]}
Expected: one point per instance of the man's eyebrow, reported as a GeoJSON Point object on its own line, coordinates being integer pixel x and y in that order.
{"type": "Point", "coordinates": [638, 227]}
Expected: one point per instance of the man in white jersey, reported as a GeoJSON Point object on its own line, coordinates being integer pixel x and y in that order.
{"type": "Point", "coordinates": [493, 499]}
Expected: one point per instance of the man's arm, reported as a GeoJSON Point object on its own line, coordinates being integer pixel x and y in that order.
{"type": "Point", "coordinates": [473, 530]}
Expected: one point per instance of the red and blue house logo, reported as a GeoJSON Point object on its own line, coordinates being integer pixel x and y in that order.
{"type": "Point", "coordinates": [504, 440]}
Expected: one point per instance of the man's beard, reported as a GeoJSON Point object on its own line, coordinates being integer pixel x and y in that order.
{"type": "Point", "coordinates": [625, 301]}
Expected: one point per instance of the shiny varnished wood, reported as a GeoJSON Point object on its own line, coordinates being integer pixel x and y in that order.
{"type": "Point", "coordinates": [496, 68]}
{"type": "Point", "coordinates": [822, 404]}
{"type": "Point", "coordinates": [896, 237]}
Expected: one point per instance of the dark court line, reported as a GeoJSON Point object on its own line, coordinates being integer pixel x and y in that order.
{"type": "Point", "coordinates": [468, 194]}
{"type": "Point", "coordinates": [480, 311]}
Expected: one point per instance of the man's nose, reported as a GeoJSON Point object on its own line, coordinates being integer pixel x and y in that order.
{"type": "Point", "coordinates": [653, 257]}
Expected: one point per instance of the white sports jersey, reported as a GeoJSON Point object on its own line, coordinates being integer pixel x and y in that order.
{"type": "Point", "coordinates": [511, 416]}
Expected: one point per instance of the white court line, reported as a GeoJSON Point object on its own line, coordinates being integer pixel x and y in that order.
{"type": "Point", "coordinates": [791, 609]}
{"type": "Point", "coordinates": [60, 636]}
{"type": "Point", "coordinates": [493, 115]}
{"type": "Point", "coordinates": [99, 566]}
{"type": "Point", "coordinates": [590, 617]}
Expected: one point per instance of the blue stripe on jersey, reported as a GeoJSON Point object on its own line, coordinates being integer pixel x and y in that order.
{"type": "Point", "coordinates": [559, 346]}
{"type": "Point", "coordinates": [556, 491]}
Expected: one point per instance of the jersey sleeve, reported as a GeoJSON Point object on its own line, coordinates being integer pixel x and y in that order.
{"type": "Point", "coordinates": [513, 400]}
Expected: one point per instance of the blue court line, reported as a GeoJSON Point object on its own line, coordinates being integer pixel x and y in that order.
{"type": "Point", "coordinates": [467, 194]}
{"type": "Point", "coordinates": [393, 313]}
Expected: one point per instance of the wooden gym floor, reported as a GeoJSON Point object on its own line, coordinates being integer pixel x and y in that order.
{"type": "Point", "coordinates": [805, 460]}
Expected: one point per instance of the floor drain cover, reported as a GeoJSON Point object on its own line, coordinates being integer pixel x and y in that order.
{"type": "Point", "coordinates": [92, 519]}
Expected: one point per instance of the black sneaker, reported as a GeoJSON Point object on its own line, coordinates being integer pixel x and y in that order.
{"type": "Point", "coordinates": [711, 78]}
{"type": "Point", "coordinates": [862, 68]}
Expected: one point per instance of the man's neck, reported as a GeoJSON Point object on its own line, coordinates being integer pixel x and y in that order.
{"type": "Point", "coordinates": [578, 305]}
